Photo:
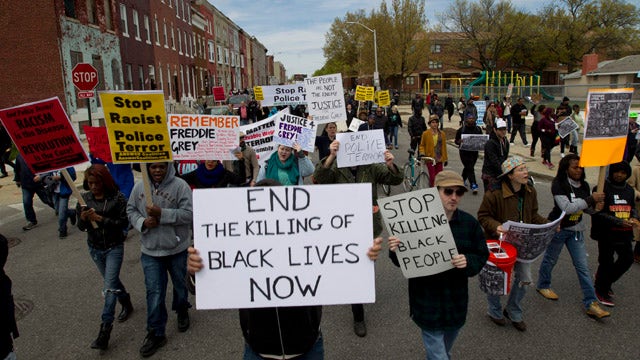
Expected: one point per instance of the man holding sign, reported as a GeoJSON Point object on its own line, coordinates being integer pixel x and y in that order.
{"type": "Point", "coordinates": [439, 302]}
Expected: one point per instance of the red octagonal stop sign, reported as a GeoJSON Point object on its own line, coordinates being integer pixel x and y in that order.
{"type": "Point", "coordinates": [84, 76]}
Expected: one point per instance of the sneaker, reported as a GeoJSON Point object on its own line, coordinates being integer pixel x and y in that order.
{"type": "Point", "coordinates": [396, 147]}
{"type": "Point", "coordinates": [360, 328]}
{"type": "Point", "coordinates": [30, 225]}
{"type": "Point", "coordinates": [561, 155]}
{"type": "Point", "coordinates": [519, 325]}
{"type": "Point", "coordinates": [62, 234]}
{"type": "Point", "coordinates": [183, 320]}
{"type": "Point", "coordinates": [595, 310]}
{"type": "Point", "coordinates": [151, 344]}
{"type": "Point", "coordinates": [499, 322]}
{"type": "Point", "coordinates": [605, 300]}
{"type": "Point", "coordinates": [550, 166]}
{"type": "Point", "coordinates": [548, 294]}
{"type": "Point", "coordinates": [526, 145]}
{"type": "Point", "coordinates": [544, 162]}
{"type": "Point", "coordinates": [474, 189]}
{"type": "Point", "coordinates": [512, 143]}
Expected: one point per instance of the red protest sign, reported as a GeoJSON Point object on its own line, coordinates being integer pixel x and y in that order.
{"type": "Point", "coordinates": [98, 140]}
{"type": "Point", "coordinates": [218, 93]}
{"type": "Point", "coordinates": [43, 134]}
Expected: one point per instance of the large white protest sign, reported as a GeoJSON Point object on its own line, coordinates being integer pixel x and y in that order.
{"type": "Point", "coordinates": [530, 240]}
{"type": "Point", "coordinates": [203, 137]}
{"type": "Point", "coordinates": [283, 246]}
{"type": "Point", "coordinates": [361, 148]}
{"type": "Point", "coordinates": [259, 136]}
{"type": "Point", "coordinates": [481, 106]}
{"type": "Point", "coordinates": [291, 129]}
{"type": "Point", "coordinates": [419, 221]}
{"type": "Point", "coordinates": [355, 124]}
{"type": "Point", "coordinates": [277, 95]}
{"type": "Point", "coordinates": [325, 98]}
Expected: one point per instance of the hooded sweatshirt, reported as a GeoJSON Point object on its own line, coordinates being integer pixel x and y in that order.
{"type": "Point", "coordinates": [172, 234]}
{"type": "Point", "coordinates": [619, 205]}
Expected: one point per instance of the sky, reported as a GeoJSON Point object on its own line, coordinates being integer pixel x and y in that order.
{"type": "Point", "coordinates": [293, 31]}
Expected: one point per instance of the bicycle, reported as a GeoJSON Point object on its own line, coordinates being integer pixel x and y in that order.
{"type": "Point", "coordinates": [411, 179]}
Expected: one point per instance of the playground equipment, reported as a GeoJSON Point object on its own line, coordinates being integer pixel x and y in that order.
{"type": "Point", "coordinates": [427, 84]}
{"type": "Point", "coordinates": [497, 83]}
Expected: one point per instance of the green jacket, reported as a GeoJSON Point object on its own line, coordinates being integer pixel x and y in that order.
{"type": "Point", "coordinates": [374, 174]}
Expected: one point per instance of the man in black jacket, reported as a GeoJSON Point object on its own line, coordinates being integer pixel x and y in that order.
{"type": "Point", "coordinates": [518, 114]}
{"type": "Point", "coordinates": [416, 126]}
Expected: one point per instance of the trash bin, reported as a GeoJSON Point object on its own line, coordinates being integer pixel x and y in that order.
{"type": "Point", "coordinates": [495, 276]}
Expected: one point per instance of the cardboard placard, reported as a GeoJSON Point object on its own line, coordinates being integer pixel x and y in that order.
{"type": "Point", "coordinates": [361, 148]}
{"type": "Point", "coordinates": [325, 98]}
{"type": "Point", "coordinates": [203, 137]}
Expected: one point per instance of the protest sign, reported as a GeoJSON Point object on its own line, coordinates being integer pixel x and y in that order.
{"type": "Point", "coordinates": [43, 134]}
{"type": "Point", "coordinates": [509, 90]}
{"type": "Point", "coordinates": [481, 106]}
{"type": "Point", "coordinates": [218, 93]}
{"type": "Point", "coordinates": [384, 98]}
{"type": "Point", "coordinates": [606, 126]}
{"type": "Point", "coordinates": [137, 126]}
{"type": "Point", "coordinates": [361, 148]}
{"type": "Point", "coordinates": [259, 136]}
{"type": "Point", "coordinates": [203, 137]}
{"type": "Point", "coordinates": [361, 93]}
{"type": "Point", "coordinates": [257, 93]}
{"type": "Point", "coordinates": [473, 142]}
{"type": "Point", "coordinates": [355, 124]}
{"type": "Point", "coordinates": [370, 93]}
{"type": "Point", "coordinates": [566, 126]}
{"type": "Point", "coordinates": [98, 140]}
{"type": "Point", "coordinates": [277, 95]}
{"type": "Point", "coordinates": [325, 98]}
{"type": "Point", "coordinates": [530, 240]}
{"type": "Point", "coordinates": [291, 129]}
{"type": "Point", "coordinates": [283, 246]}
{"type": "Point", "coordinates": [418, 219]}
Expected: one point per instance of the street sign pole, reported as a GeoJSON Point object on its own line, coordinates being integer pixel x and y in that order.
{"type": "Point", "coordinates": [89, 110]}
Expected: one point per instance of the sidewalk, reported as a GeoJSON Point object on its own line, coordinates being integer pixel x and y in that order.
{"type": "Point", "coordinates": [534, 163]}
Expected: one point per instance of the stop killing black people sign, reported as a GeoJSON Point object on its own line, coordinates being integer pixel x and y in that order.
{"type": "Point", "coordinates": [44, 136]}
{"type": "Point", "coordinates": [419, 221]}
{"type": "Point", "coordinates": [283, 246]}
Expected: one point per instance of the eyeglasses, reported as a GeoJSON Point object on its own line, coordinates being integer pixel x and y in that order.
{"type": "Point", "coordinates": [449, 191]}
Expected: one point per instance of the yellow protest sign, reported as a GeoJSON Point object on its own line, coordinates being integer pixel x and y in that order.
{"type": "Point", "coordinates": [369, 93]}
{"type": "Point", "coordinates": [384, 98]}
{"type": "Point", "coordinates": [361, 93]}
{"type": "Point", "coordinates": [257, 93]}
{"type": "Point", "coordinates": [136, 125]}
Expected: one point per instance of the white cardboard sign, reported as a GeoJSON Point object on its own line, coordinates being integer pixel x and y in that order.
{"type": "Point", "coordinates": [291, 129]}
{"type": "Point", "coordinates": [277, 95]}
{"type": "Point", "coordinates": [283, 246]}
{"type": "Point", "coordinates": [426, 242]}
{"type": "Point", "coordinates": [203, 137]}
{"type": "Point", "coordinates": [325, 98]}
{"type": "Point", "coordinates": [361, 148]}
{"type": "Point", "coordinates": [259, 136]}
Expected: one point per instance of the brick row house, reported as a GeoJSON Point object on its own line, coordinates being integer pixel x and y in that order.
{"type": "Point", "coordinates": [182, 47]}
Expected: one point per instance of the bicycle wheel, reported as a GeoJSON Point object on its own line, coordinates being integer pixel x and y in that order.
{"type": "Point", "coordinates": [407, 182]}
{"type": "Point", "coordinates": [387, 189]}
{"type": "Point", "coordinates": [422, 181]}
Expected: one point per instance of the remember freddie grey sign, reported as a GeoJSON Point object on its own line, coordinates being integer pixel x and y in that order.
{"type": "Point", "coordinates": [283, 246]}
{"type": "Point", "coordinates": [419, 221]}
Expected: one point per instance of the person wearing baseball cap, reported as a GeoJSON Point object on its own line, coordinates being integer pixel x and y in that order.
{"type": "Point", "coordinates": [517, 201]}
{"type": "Point", "coordinates": [496, 151]}
{"type": "Point", "coordinates": [438, 303]}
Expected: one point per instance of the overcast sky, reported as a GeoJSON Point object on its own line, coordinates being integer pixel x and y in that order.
{"type": "Point", "coordinates": [294, 30]}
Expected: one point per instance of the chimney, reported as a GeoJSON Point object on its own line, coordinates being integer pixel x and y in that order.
{"type": "Point", "coordinates": [589, 63]}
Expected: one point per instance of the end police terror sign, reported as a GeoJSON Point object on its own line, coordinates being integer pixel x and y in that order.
{"type": "Point", "coordinates": [283, 246]}
{"type": "Point", "coordinates": [137, 126]}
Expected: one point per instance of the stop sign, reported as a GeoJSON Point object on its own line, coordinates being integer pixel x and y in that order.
{"type": "Point", "coordinates": [84, 76]}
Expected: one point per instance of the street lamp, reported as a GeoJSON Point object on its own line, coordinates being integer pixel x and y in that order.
{"type": "Point", "coordinates": [376, 75]}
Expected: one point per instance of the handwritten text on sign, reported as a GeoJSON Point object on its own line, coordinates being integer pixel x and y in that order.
{"type": "Point", "coordinates": [203, 137]}
{"type": "Point", "coordinates": [291, 129]}
{"type": "Point", "coordinates": [361, 148]}
{"type": "Point", "coordinates": [259, 136]}
{"type": "Point", "coordinates": [283, 246]}
{"type": "Point", "coordinates": [325, 98]}
{"type": "Point", "coordinates": [426, 241]}
{"type": "Point", "coordinates": [43, 134]}
{"type": "Point", "coordinates": [137, 126]}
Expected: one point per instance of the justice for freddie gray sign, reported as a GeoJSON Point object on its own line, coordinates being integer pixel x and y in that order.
{"type": "Point", "coordinates": [283, 246]}
{"type": "Point", "coordinates": [419, 221]}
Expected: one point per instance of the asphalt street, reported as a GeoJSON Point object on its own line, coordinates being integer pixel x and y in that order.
{"type": "Point", "coordinates": [57, 290]}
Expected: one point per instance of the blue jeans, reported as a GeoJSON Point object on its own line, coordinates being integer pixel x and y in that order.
{"type": "Point", "coordinates": [521, 279]}
{"type": "Point", "coordinates": [315, 353]}
{"type": "Point", "coordinates": [155, 280]}
{"type": "Point", "coordinates": [27, 202]}
{"type": "Point", "coordinates": [508, 120]}
{"type": "Point", "coordinates": [62, 206]}
{"type": "Point", "coordinates": [438, 343]}
{"type": "Point", "coordinates": [109, 263]}
{"type": "Point", "coordinates": [393, 135]}
{"type": "Point", "coordinates": [574, 240]}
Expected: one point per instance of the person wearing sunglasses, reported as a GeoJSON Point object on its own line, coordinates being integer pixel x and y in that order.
{"type": "Point", "coordinates": [438, 303]}
{"type": "Point", "coordinates": [514, 200]}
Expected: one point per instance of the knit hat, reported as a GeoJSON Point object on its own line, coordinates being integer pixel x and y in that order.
{"type": "Point", "coordinates": [510, 164]}
{"type": "Point", "coordinates": [448, 178]}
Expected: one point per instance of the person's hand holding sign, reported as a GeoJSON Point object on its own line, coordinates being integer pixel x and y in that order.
{"type": "Point", "coordinates": [333, 153]}
{"type": "Point", "coordinates": [388, 159]}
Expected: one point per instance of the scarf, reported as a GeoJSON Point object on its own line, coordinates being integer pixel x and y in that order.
{"type": "Point", "coordinates": [209, 178]}
{"type": "Point", "coordinates": [287, 173]}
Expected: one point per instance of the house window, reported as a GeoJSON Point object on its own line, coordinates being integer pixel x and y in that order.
{"type": "Point", "coordinates": [108, 20]}
{"type": "Point", "coordinates": [156, 33]}
{"type": "Point", "coordinates": [410, 80]}
{"type": "Point", "coordinates": [141, 76]}
{"type": "Point", "coordinates": [219, 54]}
{"type": "Point", "coordinates": [129, 77]}
{"type": "Point", "coordinates": [166, 42]}
{"type": "Point", "coordinates": [70, 8]}
{"type": "Point", "coordinates": [76, 58]}
{"type": "Point", "coordinates": [180, 42]}
{"type": "Point", "coordinates": [435, 64]}
{"type": "Point", "coordinates": [173, 38]}
{"type": "Point", "coordinates": [435, 48]}
{"type": "Point", "coordinates": [124, 25]}
{"type": "Point", "coordinates": [147, 30]}
{"type": "Point", "coordinates": [226, 56]}
{"type": "Point", "coordinates": [91, 11]}
{"type": "Point", "coordinates": [136, 23]}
